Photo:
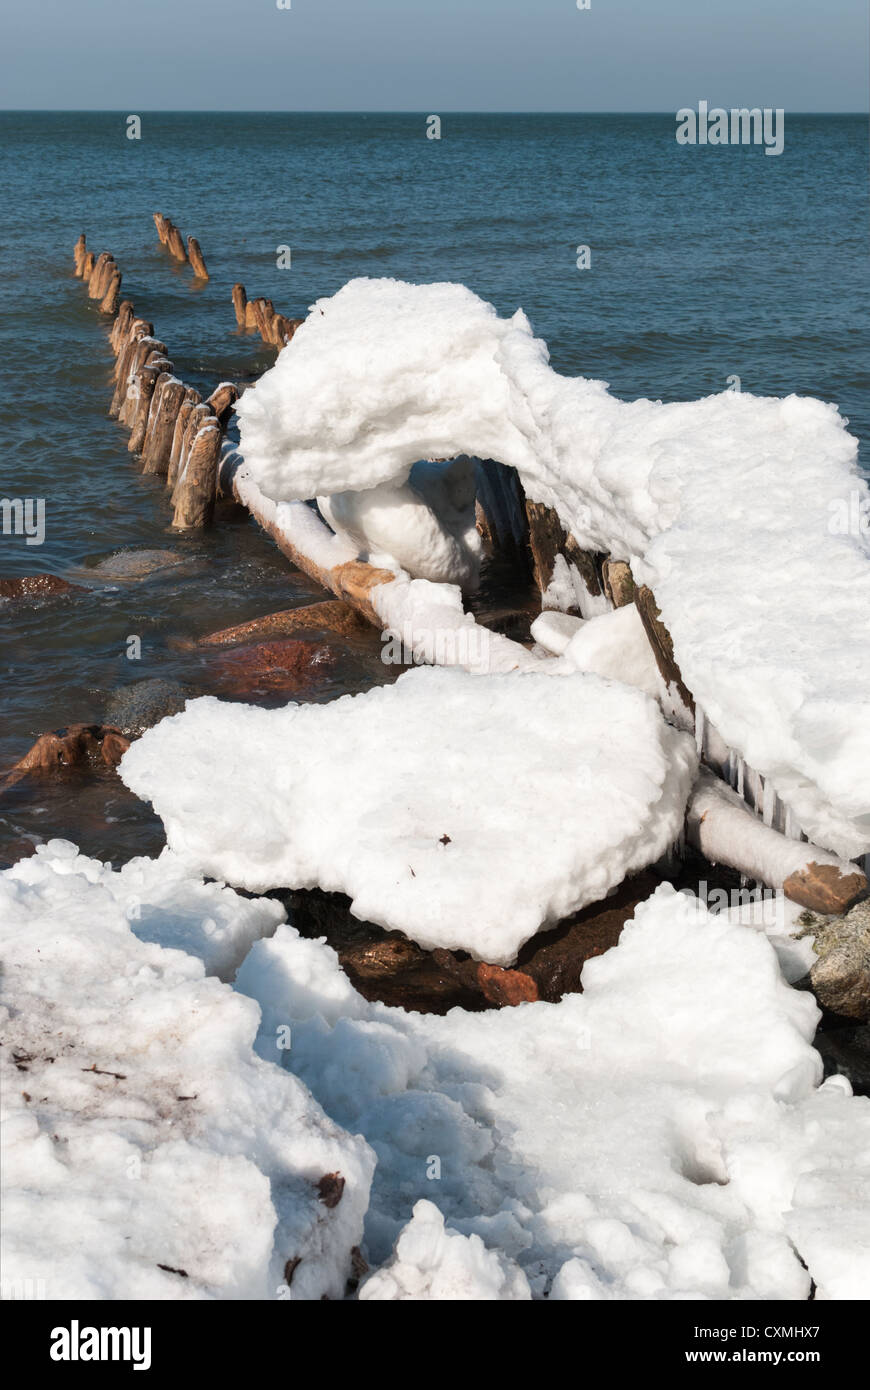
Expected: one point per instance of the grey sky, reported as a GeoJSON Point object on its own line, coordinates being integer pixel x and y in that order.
{"type": "Point", "coordinates": [435, 55]}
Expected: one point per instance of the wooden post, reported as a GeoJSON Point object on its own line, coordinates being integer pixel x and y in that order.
{"type": "Point", "coordinates": [174, 243]}
{"type": "Point", "coordinates": [168, 397]}
{"type": "Point", "coordinates": [223, 401]}
{"type": "Point", "coordinates": [79, 252]}
{"type": "Point", "coordinates": [179, 435]}
{"type": "Point", "coordinates": [96, 278]}
{"type": "Point", "coordinates": [618, 582]}
{"type": "Point", "coordinates": [162, 226]}
{"type": "Point", "coordinates": [240, 300]}
{"type": "Point", "coordinates": [196, 258]}
{"type": "Point", "coordinates": [194, 494]}
{"type": "Point", "coordinates": [147, 378]}
{"type": "Point", "coordinates": [142, 350]}
{"type": "Point", "coordinates": [121, 326]}
{"type": "Point", "coordinates": [88, 264]}
{"type": "Point", "coordinates": [662, 645]}
{"type": "Point", "coordinates": [138, 330]}
{"type": "Point", "coordinates": [109, 302]}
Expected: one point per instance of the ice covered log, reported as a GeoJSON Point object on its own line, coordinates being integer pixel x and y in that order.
{"type": "Point", "coordinates": [720, 825]}
{"type": "Point", "coordinates": [149, 1153]}
{"type": "Point", "coordinates": [465, 811]}
{"type": "Point", "coordinates": [661, 1136]}
{"type": "Point", "coordinates": [724, 508]}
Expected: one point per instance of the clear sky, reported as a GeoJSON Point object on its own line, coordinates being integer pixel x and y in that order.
{"type": "Point", "coordinates": [434, 55]}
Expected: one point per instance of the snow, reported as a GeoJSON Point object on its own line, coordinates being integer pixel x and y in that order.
{"type": "Point", "coordinates": [425, 525]}
{"type": "Point", "coordinates": [142, 1135]}
{"type": "Point", "coordinates": [615, 645]}
{"type": "Point", "coordinates": [465, 811]}
{"type": "Point", "coordinates": [661, 1136]}
{"type": "Point", "coordinates": [432, 1263]}
{"type": "Point", "coordinates": [724, 506]}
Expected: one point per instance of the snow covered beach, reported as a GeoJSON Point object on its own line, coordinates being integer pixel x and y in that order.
{"type": "Point", "coordinates": [666, 1134]}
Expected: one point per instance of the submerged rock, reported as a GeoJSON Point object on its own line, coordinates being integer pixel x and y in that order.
{"type": "Point", "coordinates": [273, 668]}
{"type": "Point", "coordinates": [72, 747]}
{"type": "Point", "coordinates": [330, 616]}
{"type": "Point", "coordinates": [137, 707]}
{"type": "Point", "coordinates": [846, 1052]}
{"type": "Point", "coordinates": [37, 586]}
{"type": "Point", "coordinates": [139, 564]}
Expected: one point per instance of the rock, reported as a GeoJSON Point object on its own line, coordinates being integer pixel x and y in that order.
{"type": "Point", "coordinates": [137, 707]}
{"type": "Point", "coordinates": [37, 586]}
{"type": "Point", "coordinates": [331, 616]}
{"type": "Point", "coordinates": [387, 967]}
{"type": "Point", "coordinates": [554, 959]}
{"type": "Point", "coordinates": [138, 564]}
{"type": "Point", "coordinates": [73, 747]}
{"type": "Point", "coordinates": [840, 978]}
{"type": "Point", "coordinates": [273, 668]}
{"type": "Point", "coordinates": [823, 888]}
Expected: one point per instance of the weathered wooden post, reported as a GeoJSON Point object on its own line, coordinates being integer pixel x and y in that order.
{"type": "Point", "coordinates": [121, 326]}
{"type": "Point", "coordinates": [88, 264]}
{"type": "Point", "coordinates": [190, 400]}
{"type": "Point", "coordinates": [168, 397]}
{"type": "Point", "coordinates": [618, 582]}
{"type": "Point", "coordinates": [139, 329]}
{"type": "Point", "coordinates": [196, 258]}
{"type": "Point", "coordinates": [194, 494]}
{"type": "Point", "coordinates": [223, 402]}
{"type": "Point", "coordinates": [175, 244]}
{"type": "Point", "coordinates": [240, 301]}
{"type": "Point", "coordinates": [109, 301]}
{"type": "Point", "coordinates": [80, 250]}
{"type": "Point", "coordinates": [142, 350]}
{"type": "Point", "coordinates": [146, 380]}
{"type": "Point", "coordinates": [162, 225]}
{"type": "Point", "coordinates": [97, 276]}
{"type": "Point", "coordinates": [663, 648]}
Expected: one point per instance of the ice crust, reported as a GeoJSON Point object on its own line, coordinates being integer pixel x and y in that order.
{"type": "Point", "coordinates": [465, 811]}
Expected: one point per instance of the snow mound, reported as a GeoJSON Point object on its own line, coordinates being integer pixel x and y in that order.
{"type": "Point", "coordinates": [731, 508]}
{"type": "Point", "coordinates": [661, 1136]}
{"type": "Point", "coordinates": [148, 1152]}
{"type": "Point", "coordinates": [162, 902]}
{"type": "Point", "coordinates": [433, 1263]}
{"type": "Point", "coordinates": [466, 811]}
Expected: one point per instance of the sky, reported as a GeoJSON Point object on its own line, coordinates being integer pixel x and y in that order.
{"type": "Point", "coordinates": [434, 55]}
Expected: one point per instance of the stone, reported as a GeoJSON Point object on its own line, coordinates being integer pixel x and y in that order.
{"type": "Point", "coordinates": [264, 668]}
{"type": "Point", "coordinates": [139, 706]}
{"type": "Point", "coordinates": [138, 564]}
{"type": "Point", "coordinates": [846, 1052]}
{"type": "Point", "coordinates": [840, 977]}
{"type": "Point", "coordinates": [38, 586]}
{"type": "Point", "coordinates": [330, 616]}
{"type": "Point", "coordinates": [71, 747]}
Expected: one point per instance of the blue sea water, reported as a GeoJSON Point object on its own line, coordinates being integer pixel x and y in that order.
{"type": "Point", "coordinates": [706, 263]}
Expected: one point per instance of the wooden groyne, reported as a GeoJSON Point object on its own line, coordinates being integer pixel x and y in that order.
{"type": "Point", "coordinates": [171, 238]}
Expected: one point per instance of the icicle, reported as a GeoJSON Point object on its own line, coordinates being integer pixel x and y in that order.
{"type": "Point", "coordinates": [732, 768]}
{"type": "Point", "coordinates": [699, 730]}
{"type": "Point", "coordinates": [768, 801]}
{"type": "Point", "coordinates": [741, 776]}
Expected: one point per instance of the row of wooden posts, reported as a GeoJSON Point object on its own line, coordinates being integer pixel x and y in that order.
{"type": "Point", "coordinates": [176, 434]}
{"type": "Point", "coordinates": [261, 315]}
{"type": "Point", "coordinates": [172, 239]}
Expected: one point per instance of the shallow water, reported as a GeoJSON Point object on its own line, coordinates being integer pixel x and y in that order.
{"type": "Point", "coordinates": [706, 263]}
